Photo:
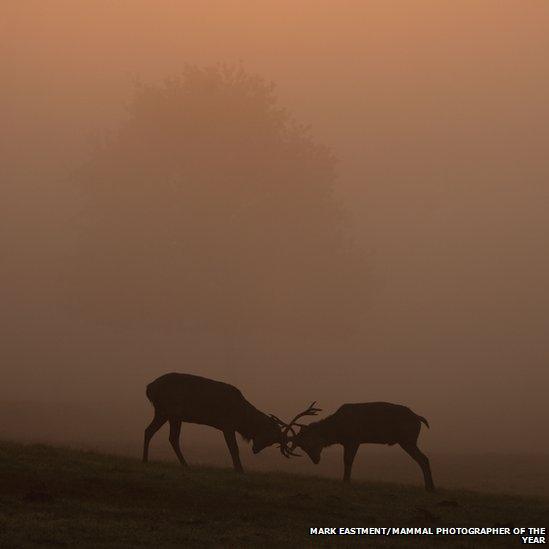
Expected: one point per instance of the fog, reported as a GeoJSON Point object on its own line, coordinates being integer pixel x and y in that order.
{"type": "Point", "coordinates": [437, 114]}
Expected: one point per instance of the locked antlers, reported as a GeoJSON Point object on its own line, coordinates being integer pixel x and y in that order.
{"type": "Point", "coordinates": [285, 448]}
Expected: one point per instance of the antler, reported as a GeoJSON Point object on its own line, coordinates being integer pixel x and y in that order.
{"type": "Point", "coordinates": [278, 420]}
{"type": "Point", "coordinates": [310, 411]}
{"type": "Point", "coordinates": [285, 449]}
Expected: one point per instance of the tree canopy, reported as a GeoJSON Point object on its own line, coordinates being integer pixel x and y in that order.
{"type": "Point", "coordinates": [212, 209]}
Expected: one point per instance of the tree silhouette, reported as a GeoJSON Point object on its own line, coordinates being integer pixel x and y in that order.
{"type": "Point", "coordinates": [212, 209]}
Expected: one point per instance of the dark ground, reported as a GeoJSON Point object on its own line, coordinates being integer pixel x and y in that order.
{"type": "Point", "coordinates": [57, 497]}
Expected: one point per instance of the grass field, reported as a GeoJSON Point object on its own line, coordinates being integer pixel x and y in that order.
{"type": "Point", "coordinates": [60, 497]}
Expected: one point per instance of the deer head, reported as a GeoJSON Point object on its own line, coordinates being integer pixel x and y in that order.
{"type": "Point", "coordinates": [269, 433]}
{"type": "Point", "coordinates": [298, 438]}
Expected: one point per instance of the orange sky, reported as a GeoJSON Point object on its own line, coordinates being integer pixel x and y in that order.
{"type": "Point", "coordinates": [438, 113]}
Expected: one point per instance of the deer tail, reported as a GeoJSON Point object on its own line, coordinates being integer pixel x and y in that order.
{"type": "Point", "coordinates": [149, 394]}
{"type": "Point", "coordinates": [424, 421]}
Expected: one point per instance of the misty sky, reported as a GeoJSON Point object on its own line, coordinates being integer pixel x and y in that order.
{"type": "Point", "coordinates": [438, 114]}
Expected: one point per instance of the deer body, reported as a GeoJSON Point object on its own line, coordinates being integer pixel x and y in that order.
{"type": "Point", "coordinates": [373, 422]}
{"type": "Point", "coordinates": [188, 398]}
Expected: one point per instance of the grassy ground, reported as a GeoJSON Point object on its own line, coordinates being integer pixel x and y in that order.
{"type": "Point", "coordinates": [60, 497]}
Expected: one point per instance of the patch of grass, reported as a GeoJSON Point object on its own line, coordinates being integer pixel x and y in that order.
{"type": "Point", "coordinates": [57, 497]}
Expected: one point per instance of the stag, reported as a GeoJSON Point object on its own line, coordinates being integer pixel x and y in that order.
{"type": "Point", "coordinates": [355, 424]}
{"type": "Point", "coordinates": [188, 398]}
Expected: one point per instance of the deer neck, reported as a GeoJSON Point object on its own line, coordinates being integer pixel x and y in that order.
{"type": "Point", "coordinates": [252, 419]}
{"type": "Point", "coordinates": [328, 431]}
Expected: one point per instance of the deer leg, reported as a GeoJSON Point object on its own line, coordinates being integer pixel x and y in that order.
{"type": "Point", "coordinates": [155, 424]}
{"type": "Point", "coordinates": [230, 439]}
{"type": "Point", "coordinates": [423, 461]}
{"type": "Point", "coordinates": [175, 431]}
{"type": "Point", "coordinates": [349, 453]}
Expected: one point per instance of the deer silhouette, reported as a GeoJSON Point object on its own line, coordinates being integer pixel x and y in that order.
{"type": "Point", "coordinates": [354, 424]}
{"type": "Point", "coordinates": [188, 398]}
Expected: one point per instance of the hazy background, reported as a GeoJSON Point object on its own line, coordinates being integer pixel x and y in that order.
{"type": "Point", "coordinates": [437, 113]}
